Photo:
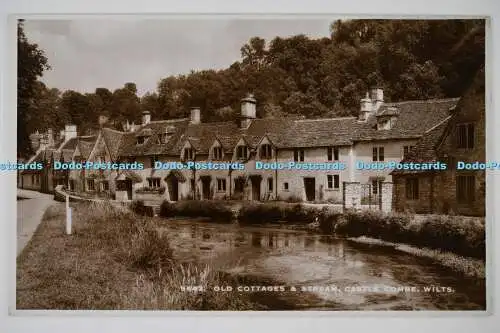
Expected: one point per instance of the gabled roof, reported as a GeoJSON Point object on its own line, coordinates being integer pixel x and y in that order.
{"type": "Point", "coordinates": [415, 117]}
{"type": "Point", "coordinates": [426, 149]}
{"type": "Point", "coordinates": [128, 141]}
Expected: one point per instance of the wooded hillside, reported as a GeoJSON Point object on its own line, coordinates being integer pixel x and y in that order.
{"type": "Point", "coordinates": [410, 59]}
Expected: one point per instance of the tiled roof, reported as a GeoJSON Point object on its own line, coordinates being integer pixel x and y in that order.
{"type": "Point", "coordinates": [415, 117]}
{"type": "Point", "coordinates": [425, 149]}
{"type": "Point", "coordinates": [85, 148]}
{"type": "Point", "coordinates": [152, 146]}
{"type": "Point", "coordinates": [321, 132]}
{"type": "Point", "coordinates": [113, 140]}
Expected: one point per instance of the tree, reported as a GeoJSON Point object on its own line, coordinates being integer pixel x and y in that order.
{"type": "Point", "coordinates": [31, 62]}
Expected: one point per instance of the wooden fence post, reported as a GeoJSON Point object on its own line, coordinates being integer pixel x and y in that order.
{"type": "Point", "coordinates": [68, 216]}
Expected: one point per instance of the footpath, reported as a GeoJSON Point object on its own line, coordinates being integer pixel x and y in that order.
{"type": "Point", "coordinates": [30, 211]}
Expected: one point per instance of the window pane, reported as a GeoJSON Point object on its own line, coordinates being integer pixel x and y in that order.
{"type": "Point", "coordinates": [470, 136]}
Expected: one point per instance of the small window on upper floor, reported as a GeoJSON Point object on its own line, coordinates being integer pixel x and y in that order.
{"type": "Point", "coordinates": [298, 155]}
{"type": "Point", "coordinates": [188, 154]}
{"type": "Point", "coordinates": [465, 136]}
{"type": "Point", "coordinates": [217, 153]}
{"type": "Point", "coordinates": [242, 152]}
{"type": "Point", "coordinates": [378, 154]}
{"type": "Point", "coordinates": [266, 151]}
{"type": "Point", "coordinates": [333, 153]}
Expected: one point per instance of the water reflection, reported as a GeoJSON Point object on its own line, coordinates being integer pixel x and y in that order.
{"type": "Point", "coordinates": [305, 259]}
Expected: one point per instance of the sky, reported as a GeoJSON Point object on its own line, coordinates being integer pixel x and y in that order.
{"type": "Point", "coordinates": [85, 54]}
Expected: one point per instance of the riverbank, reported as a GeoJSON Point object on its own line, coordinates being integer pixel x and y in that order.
{"type": "Point", "coordinates": [456, 242]}
{"type": "Point", "coordinates": [113, 260]}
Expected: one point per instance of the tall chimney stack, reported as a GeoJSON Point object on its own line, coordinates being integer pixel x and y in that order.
{"type": "Point", "coordinates": [377, 96]}
{"type": "Point", "coordinates": [366, 108]}
{"type": "Point", "coordinates": [248, 110]}
{"type": "Point", "coordinates": [195, 115]}
{"type": "Point", "coordinates": [69, 132]}
{"type": "Point", "coordinates": [146, 117]}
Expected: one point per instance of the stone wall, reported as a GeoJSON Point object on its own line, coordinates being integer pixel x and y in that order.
{"type": "Point", "coordinates": [351, 195]}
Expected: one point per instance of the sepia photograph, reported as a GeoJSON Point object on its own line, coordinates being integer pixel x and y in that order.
{"type": "Point", "coordinates": [251, 164]}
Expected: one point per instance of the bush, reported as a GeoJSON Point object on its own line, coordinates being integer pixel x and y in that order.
{"type": "Point", "coordinates": [293, 199]}
{"type": "Point", "coordinates": [138, 207]}
{"type": "Point", "coordinates": [328, 220]}
{"type": "Point", "coordinates": [257, 213]}
{"type": "Point", "coordinates": [460, 235]}
{"type": "Point", "coordinates": [457, 234]}
{"type": "Point", "coordinates": [197, 208]}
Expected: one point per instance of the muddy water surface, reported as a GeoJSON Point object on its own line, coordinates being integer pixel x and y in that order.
{"type": "Point", "coordinates": [342, 275]}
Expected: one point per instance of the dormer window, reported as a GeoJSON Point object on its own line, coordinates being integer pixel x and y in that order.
{"type": "Point", "coordinates": [217, 153]}
{"type": "Point", "coordinates": [266, 151]}
{"type": "Point", "coordinates": [384, 124]}
{"type": "Point", "coordinates": [242, 152]}
{"type": "Point", "coordinates": [165, 136]}
{"type": "Point", "coordinates": [188, 154]}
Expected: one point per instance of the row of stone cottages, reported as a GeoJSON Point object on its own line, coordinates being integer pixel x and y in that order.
{"type": "Point", "coordinates": [438, 129]}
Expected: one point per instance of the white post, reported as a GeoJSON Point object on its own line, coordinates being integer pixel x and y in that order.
{"type": "Point", "coordinates": [68, 216]}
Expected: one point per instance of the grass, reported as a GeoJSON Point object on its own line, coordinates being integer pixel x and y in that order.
{"type": "Point", "coordinates": [114, 259]}
{"type": "Point", "coordinates": [463, 236]}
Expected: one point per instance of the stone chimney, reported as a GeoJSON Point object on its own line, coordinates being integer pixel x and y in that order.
{"type": "Point", "coordinates": [195, 115]}
{"type": "Point", "coordinates": [69, 132]}
{"type": "Point", "coordinates": [35, 140]}
{"type": "Point", "coordinates": [366, 108]}
{"type": "Point", "coordinates": [377, 96]}
{"type": "Point", "coordinates": [146, 117]}
{"type": "Point", "coordinates": [50, 137]}
{"type": "Point", "coordinates": [248, 110]}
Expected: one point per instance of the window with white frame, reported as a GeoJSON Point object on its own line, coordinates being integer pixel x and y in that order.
{"type": "Point", "coordinates": [266, 151]}
{"type": "Point", "coordinates": [188, 154]}
{"type": "Point", "coordinates": [242, 152]}
{"type": "Point", "coordinates": [333, 182]}
{"type": "Point", "coordinates": [333, 153]}
{"type": "Point", "coordinates": [378, 154]}
{"type": "Point", "coordinates": [221, 184]}
{"type": "Point", "coordinates": [217, 153]}
{"type": "Point", "coordinates": [154, 182]}
{"type": "Point", "coordinates": [298, 155]}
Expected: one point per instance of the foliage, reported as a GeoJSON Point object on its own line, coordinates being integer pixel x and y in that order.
{"type": "Point", "coordinates": [215, 210]}
{"type": "Point", "coordinates": [296, 75]}
{"type": "Point", "coordinates": [114, 260]}
{"type": "Point", "coordinates": [262, 213]}
{"type": "Point", "coordinates": [31, 62]}
{"type": "Point", "coordinates": [458, 234]}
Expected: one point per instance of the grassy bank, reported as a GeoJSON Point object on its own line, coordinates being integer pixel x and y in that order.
{"type": "Point", "coordinates": [463, 236]}
{"type": "Point", "coordinates": [113, 260]}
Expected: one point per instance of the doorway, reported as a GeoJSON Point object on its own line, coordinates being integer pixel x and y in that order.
{"type": "Point", "coordinates": [173, 187]}
{"type": "Point", "coordinates": [205, 187]}
{"type": "Point", "coordinates": [256, 180]}
{"type": "Point", "coordinates": [310, 187]}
